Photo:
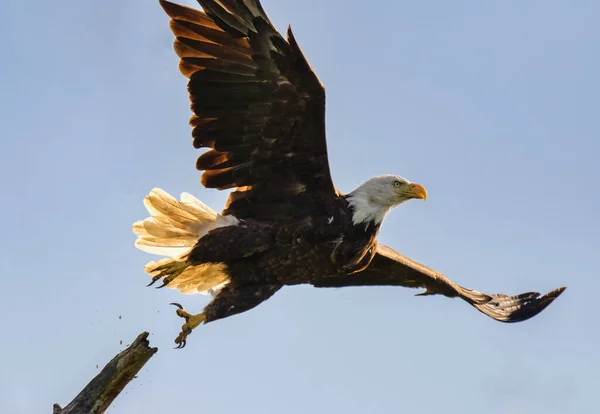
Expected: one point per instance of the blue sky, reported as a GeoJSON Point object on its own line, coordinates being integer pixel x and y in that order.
{"type": "Point", "coordinates": [493, 106]}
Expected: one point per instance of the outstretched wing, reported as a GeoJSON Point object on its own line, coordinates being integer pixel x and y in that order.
{"type": "Point", "coordinates": [390, 268]}
{"type": "Point", "coordinates": [260, 108]}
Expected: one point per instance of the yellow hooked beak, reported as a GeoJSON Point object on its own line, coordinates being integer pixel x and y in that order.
{"type": "Point", "coordinates": [417, 191]}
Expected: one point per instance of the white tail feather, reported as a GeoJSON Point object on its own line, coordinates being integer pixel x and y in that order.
{"type": "Point", "coordinates": [172, 229]}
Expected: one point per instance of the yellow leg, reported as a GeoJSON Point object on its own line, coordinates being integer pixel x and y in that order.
{"type": "Point", "coordinates": [191, 322]}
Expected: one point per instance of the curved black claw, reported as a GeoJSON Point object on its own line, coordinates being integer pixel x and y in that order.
{"type": "Point", "coordinates": [154, 279]}
{"type": "Point", "coordinates": [176, 304]}
{"type": "Point", "coordinates": [166, 281]}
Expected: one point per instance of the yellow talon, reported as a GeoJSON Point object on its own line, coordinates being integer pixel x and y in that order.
{"type": "Point", "coordinates": [167, 272]}
{"type": "Point", "coordinates": [191, 322]}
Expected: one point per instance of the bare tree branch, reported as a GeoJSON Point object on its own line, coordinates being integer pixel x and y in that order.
{"type": "Point", "coordinates": [106, 386]}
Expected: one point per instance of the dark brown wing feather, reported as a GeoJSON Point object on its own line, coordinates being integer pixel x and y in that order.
{"type": "Point", "coordinates": [259, 107]}
{"type": "Point", "coordinates": [390, 268]}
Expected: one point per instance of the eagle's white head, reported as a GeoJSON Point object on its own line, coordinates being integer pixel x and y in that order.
{"type": "Point", "coordinates": [376, 197]}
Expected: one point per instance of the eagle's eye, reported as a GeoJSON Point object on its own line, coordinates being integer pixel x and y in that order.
{"type": "Point", "coordinates": [397, 184]}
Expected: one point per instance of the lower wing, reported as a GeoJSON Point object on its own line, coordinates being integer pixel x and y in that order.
{"type": "Point", "coordinates": [390, 268]}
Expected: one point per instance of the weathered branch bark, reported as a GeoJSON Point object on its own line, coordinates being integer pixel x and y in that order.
{"type": "Point", "coordinates": [106, 386]}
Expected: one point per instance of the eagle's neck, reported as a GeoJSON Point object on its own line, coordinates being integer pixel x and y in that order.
{"type": "Point", "coordinates": [366, 209]}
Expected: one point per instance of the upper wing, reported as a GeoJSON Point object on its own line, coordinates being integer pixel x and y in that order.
{"type": "Point", "coordinates": [391, 268]}
{"type": "Point", "coordinates": [258, 105]}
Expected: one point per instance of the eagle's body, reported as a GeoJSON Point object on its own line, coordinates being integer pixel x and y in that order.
{"type": "Point", "coordinates": [261, 258]}
{"type": "Point", "coordinates": [308, 250]}
{"type": "Point", "coordinates": [260, 109]}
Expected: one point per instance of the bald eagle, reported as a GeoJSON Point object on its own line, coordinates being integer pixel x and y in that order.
{"type": "Point", "coordinates": [260, 108]}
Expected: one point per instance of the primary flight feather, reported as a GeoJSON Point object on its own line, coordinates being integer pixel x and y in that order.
{"type": "Point", "coordinates": [260, 108]}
